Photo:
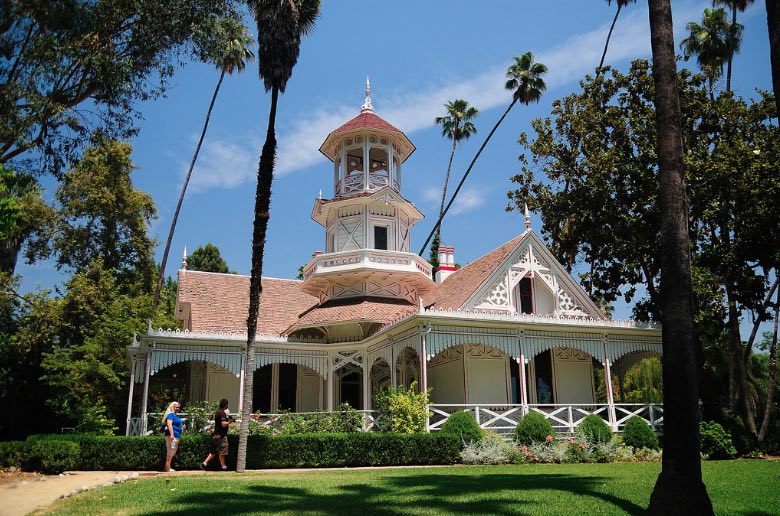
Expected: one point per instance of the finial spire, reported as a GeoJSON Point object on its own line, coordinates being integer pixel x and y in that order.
{"type": "Point", "coordinates": [319, 196]}
{"type": "Point", "coordinates": [367, 107]}
{"type": "Point", "coordinates": [527, 218]}
{"type": "Point", "coordinates": [184, 259]}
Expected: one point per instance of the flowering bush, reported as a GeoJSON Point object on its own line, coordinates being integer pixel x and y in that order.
{"type": "Point", "coordinates": [404, 408]}
{"type": "Point", "coordinates": [571, 450]}
{"type": "Point", "coordinates": [647, 455]}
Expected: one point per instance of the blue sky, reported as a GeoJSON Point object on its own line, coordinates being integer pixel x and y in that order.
{"type": "Point", "coordinates": [418, 55]}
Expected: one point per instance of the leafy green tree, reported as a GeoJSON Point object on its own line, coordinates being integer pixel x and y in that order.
{"type": "Point", "coordinates": [714, 42]}
{"type": "Point", "coordinates": [524, 79]}
{"type": "Point", "coordinates": [280, 25]}
{"type": "Point", "coordinates": [71, 67]}
{"type": "Point", "coordinates": [643, 382]}
{"type": "Point", "coordinates": [620, 5]}
{"type": "Point", "coordinates": [100, 215]}
{"type": "Point", "coordinates": [208, 259]}
{"type": "Point", "coordinates": [230, 55]}
{"type": "Point", "coordinates": [457, 126]}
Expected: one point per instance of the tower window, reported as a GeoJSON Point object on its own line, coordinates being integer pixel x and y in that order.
{"type": "Point", "coordinates": [525, 296]}
{"type": "Point", "coordinates": [380, 237]}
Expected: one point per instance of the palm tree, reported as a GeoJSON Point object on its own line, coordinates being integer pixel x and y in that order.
{"type": "Point", "coordinates": [773, 24]}
{"type": "Point", "coordinates": [679, 488]}
{"type": "Point", "coordinates": [524, 79]}
{"type": "Point", "coordinates": [280, 25]}
{"type": "Point", "coordinates": [712, 43]}
{"type": "Point", "coordinates": [457, 126]}
{"type": "Point", "coordinates": [620, 5]}
{"type": "Point", "coordinates": [231, 57]}
{"type": "Point", "coordinates": [735, 5]}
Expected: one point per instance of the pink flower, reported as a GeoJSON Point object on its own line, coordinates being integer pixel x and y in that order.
{"type": "Point", "coordinates": [582, 446]}
{"type": "Point", "coordinates": [571, 441]}
{"type": "Point", "coordinates": [549, 438]}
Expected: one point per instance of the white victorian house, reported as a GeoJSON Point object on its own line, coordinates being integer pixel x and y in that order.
{"type": "Point", "coordinates": [510, 332]}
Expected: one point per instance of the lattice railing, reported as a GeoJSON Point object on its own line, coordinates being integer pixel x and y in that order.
{"type": "Point", "coordinates": [564, 418]}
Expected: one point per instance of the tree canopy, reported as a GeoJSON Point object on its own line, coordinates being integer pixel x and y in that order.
{"type": "Point", "coordinates": [207, 258]}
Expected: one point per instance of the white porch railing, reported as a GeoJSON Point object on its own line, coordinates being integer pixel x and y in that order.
{"type": "Point", "coordinates": [563, 418]}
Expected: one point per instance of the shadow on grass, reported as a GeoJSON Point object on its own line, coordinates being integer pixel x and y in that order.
{"type": "Point", "coordinates": [396, 495]}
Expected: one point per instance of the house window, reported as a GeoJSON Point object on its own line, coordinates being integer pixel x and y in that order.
{"type": "Point", "coordinates": [525, 296]}
{"type": "Point", "coordinates": [380, 237]}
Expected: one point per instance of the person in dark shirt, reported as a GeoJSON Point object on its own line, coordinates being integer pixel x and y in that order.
{"type": "Point", "coordinates": [219, 440]}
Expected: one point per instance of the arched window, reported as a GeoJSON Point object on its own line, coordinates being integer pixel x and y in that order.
{"type": "Point", "coordinates": [378, 167]}
{"type": "Point", "coordinates": [525, 296]}
{"type": "Point", "coordinates": [353, 172]}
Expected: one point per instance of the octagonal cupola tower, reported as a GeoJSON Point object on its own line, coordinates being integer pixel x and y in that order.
{"type": "Point", "coordinates": [367, 222]}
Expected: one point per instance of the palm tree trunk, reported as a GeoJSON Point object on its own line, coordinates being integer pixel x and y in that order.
{"type": "Point", "coordinates": [265, 175]}
{"type": "Point", "coordinates": [773, 23]}
{"type": "Point", "coordinates": [731, 55]}
{"type": "Point", "coordinates": [466, 174]}
{"type": "Point", "coordinates": [437, 239]}
{"type": "Point", "coordinates": [609, 35]}
{"type": "Point", "coordinates": [770, 384]}
{"type": "Point", "coordinates": [161, 276]}
{"type": "Point", "coordinates": [679, 488]}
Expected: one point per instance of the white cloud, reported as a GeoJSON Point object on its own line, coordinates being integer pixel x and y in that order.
{"type": "Point", "coordinates": [223, 164]}
{"type": "Point", "coordinates": [468, 199]}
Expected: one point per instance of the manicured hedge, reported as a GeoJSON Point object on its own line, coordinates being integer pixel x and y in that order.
{"type": "Point", "coordinates": [10, 453]}
{"type": "Point", "coordinates": [282, 451]}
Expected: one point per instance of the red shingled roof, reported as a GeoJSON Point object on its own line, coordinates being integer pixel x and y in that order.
{"type": "Point", "coordinates": [367, 120]}
{"type": "Point", "coordinates": [358, 309]}
{"type": "Point", "coordinates": [454, 291]}
{"type": "Point", "coordinates": [219, 302]}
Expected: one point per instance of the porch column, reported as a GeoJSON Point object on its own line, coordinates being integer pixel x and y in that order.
{"type": "Point", "coordinates": [523, 384]}
{"type": "Point", "coordinates": [241, 384]}
{"type": "Point", "coordinates": [130, 396]}
{"type": "Point", "coordinates": [393, 372]}
{"type": "Point", "coordinates": [610, 396]}
{"type": "Point", "coordinates": [331, 373]}
{"type": "Point", "coordinates": [274, 388]}
{"type": "Point", "coordinates": [146, 390]}
{"type": "Point", "coordinates": [424, 374]}
{"type": "Point", "coordinates": [366, 384]}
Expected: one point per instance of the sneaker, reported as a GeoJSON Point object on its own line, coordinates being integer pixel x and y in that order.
{"type": "Point", "coordinates": [224, 468]}
{"type": "Point", "coordinates": [203, 465]}
{"type": "Point", "coordinates": [171, 470]}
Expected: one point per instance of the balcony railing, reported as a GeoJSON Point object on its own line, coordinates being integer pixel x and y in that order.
{"type": "Point", "coordinates": [367, 258]}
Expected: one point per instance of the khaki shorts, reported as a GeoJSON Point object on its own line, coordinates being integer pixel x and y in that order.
{"type": "Point", "coordinates": [171, 446]}
{"type": "Point", "coordinates": [219, 445]}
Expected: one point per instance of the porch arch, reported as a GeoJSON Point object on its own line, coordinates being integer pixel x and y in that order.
{"type": "Point", "coordinates": [226, 358]}
{"type": "Point", "coordinates": [315, 360]}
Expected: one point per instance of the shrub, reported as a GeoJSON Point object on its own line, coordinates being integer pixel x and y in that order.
{"type": "Point", "coordinates": [52, 456]}
{"type": "Point", "coordinates": [464, 426]}
{"type": "Point", "coordinates": [11, 453]}
{"type": "Point", "coordinates": [264, 451]}
{"type": "Point", "coordinates": [595, 429]}
{"type": "Point", "coordinates": [638, 434]}
{"type": "Point", "coordinates": [533, 428]}
{"type": "Point", "coordinates": [744, 441]}
{"type": "Point", "coordinates": [94, 419]}
{"type": "Point", "coordinates": [346, 419]}
{"type": "Point", "coordinates": [647, 455]}
{"type": "Point", "coordinates": [715, 442]}
{"type": "Point", "coordinates": [491, 449]}
{"type": "Point", "coordinates": [403, 410]}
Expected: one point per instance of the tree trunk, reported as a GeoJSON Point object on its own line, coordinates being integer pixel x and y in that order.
{"type": "Point", "coordinates": [735, 343]}
{"type": "Point", "coordinates": [773, 23]}
{"type": "Point", "coordinates": [679, 488]}
{"type": "Point", "coordinates": [759, 320]}
{"type": "Point", "coordinates": [265, 175]}
{"type": "Point", "coordinates": [161, 276]}
{"type": "Point", "coordinates": [437, 238]}
{"type": "Point", "coordinates": [770, 384]}
{"type": "Point", "coordinates": [466, 174]}
{"type": "Point", "coordinates": [731, 55]}
{"type": "Point", "coordinates": [609, 35]}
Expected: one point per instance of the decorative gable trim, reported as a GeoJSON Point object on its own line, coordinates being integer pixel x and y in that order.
{"type": "Point", "coordinates": [531, 258]}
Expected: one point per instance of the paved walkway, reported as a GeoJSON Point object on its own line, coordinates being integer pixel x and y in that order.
{"type": "Point", "coordinates": [25, 496]}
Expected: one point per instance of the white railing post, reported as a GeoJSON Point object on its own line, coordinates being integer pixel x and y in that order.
{"type": "Point", "coordinates": [476, 415]}
{"type": "Point", "coordinates": [130, 396]}
{"type": "Point", "coordinates": [571, 419]}
{"type": "Point", "coordinates": [145, 399]}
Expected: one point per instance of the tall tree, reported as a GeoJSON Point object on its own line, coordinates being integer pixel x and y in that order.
{"type": "Point", "coordinates": [524, 79]}
{"type": "Point", "coordinates": [69, 68]}
{"type": "Point", "coordinates": [457, 126]}
{"type": "Point", "coordinates": [620, 5]}
{"type": "Point", "coordinates": [734, 30]}
{"type": "Point", "coordinates": [280, 25]}
{"type": "Point", "coordinates": [679, 487]}
{"type": "Point", "coordinates": [230, 55]}
{"type": "Point", "coordinates": [208, 259]}
{"type": "Point", "coordinates": [713, 42]}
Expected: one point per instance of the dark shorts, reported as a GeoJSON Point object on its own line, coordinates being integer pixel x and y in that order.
{"type": "Point", "coordinates": [219, 445]}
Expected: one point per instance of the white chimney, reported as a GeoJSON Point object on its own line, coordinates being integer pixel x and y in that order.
{"type": "Point", "coordinates": [446, 263]}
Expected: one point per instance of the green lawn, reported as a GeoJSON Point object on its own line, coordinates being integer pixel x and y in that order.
{"type": "Point", "coordinates": [736, 487]}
